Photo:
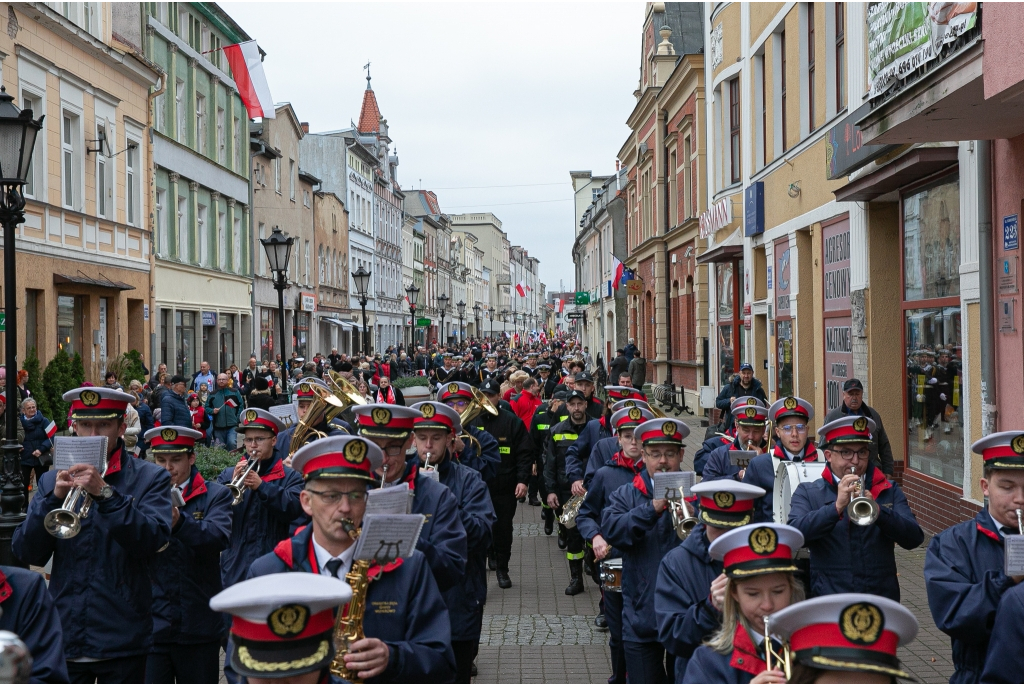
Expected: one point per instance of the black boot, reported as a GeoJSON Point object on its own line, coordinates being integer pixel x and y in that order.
{"type": "Point", "coordinates": [534, 502]}
{"type": "Point", "coordinates": [561, 538]}
{"type": "Point", "coordinates": [575, 577]}
{"type": "Point", "coordinates": [491, 563]}
{"type": "Point", "coordinates": [549, 520]}
{"type": "Point", "coordinates": [504, 582]}
{"type": "Point", "coordinates": [600, 622]}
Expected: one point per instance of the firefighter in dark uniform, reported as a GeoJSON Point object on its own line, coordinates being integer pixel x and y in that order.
{"type": "Point", "coordinates": [625, 465]}
{"type": "Point", "coordinates": [546, 416]}
{"type": "Point", "coordinates": [27, 610]}
{"type": "Point", "coordinates": [100, 582]}
{"type": "Point", "coordinates": [517, 459]}
{"type": "Point", "coordinates": [963, 569]}
{"type": "Point", "coordinates": [585, 384]}
{"type": "Point", "coordinates": [406, 623]}
{"type": "Point", "coordinates": [270, 496]}
{"type": "Point", "coordinates": [187, 634]}
{"type": "Point", "coordinates": [305, 395]}
{"type": "Point", "coordinates": [750, 419]}
{"type": "Point", "coordinates": [562, 435]}
{"type": "Point", "coordinates": [849, 557]}
{"type": "Point", "coordinates": [547, 382]}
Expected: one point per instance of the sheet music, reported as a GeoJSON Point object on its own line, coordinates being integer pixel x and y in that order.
{"type": "Point", "coordinates": [1014, 559]}
{"type": "Point", "coordinates": [69, 450]}
{"type": "Point", "coordinates": [286, 413]}
{"type": "Point", "coordinates": [386, 538]}
{"type": "Point", "coordinates": [676, 481]}
{"type": "Point", "coordinates": [385, 501]}
{"type": "Point", "coordinates": [742, 458]}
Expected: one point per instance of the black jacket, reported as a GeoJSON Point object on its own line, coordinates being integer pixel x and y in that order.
{"type": "Point", "coordinates": [881, 450]}
{"type": "Point", "coordinates": [561, 437]}
{"type": "Point", "coordinates": [731, 391]}
{"type": "Point", "coordinates": [514, 445]}
{"type": "Point", "coordinates": [35, 439]}
{"type": "Point", "coordinates": [618, 366]}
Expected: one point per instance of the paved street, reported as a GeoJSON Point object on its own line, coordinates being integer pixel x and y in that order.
{"type": "Point", "coordinates": [534, 633]}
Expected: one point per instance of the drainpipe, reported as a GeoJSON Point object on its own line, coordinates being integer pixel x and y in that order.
{"type": "Point", "coordinates": [987, 351]}
{"type": "Point", "coordinates": [151, 174]}
{"type": "Point", "coordinates": [668, 264]}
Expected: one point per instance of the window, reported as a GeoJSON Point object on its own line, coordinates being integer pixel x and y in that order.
{"type": "Point", "coordinates": [306, 264]}
{"type": "Point", "coordinates": [810, 66]}
{"type": "Point", "coordinates": [320, 263]}
{"type": "Point", "coordinates": [734, 129]}
{"type": "Point", "coordinates": [201, 123]}
{"type": "Point", "coordinates": [263, 253]}
{"type": "Point", "coordinates": [180, 133]}
{"type": "Point", "coordinates": [183, 251]}
{"type": "Point", "coordinates": [69, 323]}
{"type": "Point", "coordinates": [931, 242]}
{"type": "Point", "coordinates": [131, 160]}
{"type": "Point", "coordinates": [840, 10]}
{"type": "Point", "coordinates": [687, 179]}
{"type": "Point", "coordinates": [214, 54]}
{"type": "Point", "coordinates": [277, 175]}
{"type": "Point", "coordinates": [183, 19]}
{"type": "Point", "coordinates": [764, 112]}
{"type": "Point", "coordinates": [195, 33]}
{"type": "Point", "coordinates": [69, 160]}
{"type": "Point", "coordinates": [204, 236]}
{"type": "Point", "coordinates": [222, 241]}
{"type": "Point", "coordinates": [160, 113]}
{"type": "Point", "coordinates": [161, 226]}
{"type": "Point", "coordinates": [34, 180]}
{"type": "Point", "coordinates": [221, 140]}
{"type": "Point", "coordinates": [267, 333]}
{"type": "Point", "coordinates": [782, 81]}
{"type": "Point", "coordinates": [236, 241]}
{"type": "Point", "coordinates": [291, 179]}
{"type": "Point", "coordinates": [102, 183]}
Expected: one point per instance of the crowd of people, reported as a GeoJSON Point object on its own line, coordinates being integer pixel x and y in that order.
{"type": "Point", "coordinates": [172, 577]}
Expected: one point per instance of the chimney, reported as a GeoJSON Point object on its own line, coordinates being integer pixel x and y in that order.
{"type": "Point", "coordinates": [305, 126]}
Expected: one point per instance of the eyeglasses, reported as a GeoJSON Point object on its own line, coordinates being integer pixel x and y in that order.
{"type": "Point", "coordinates": [331, 498]}
{"type": "Point", "coordinates": [457, 403]}
{"type": "Point", "coordinates": [794, 428]}
{"type": "Point", "coordinates": [850, 455]}
{"type": "Point", "coordinates": [255, 441]}
{"type": "Point", "coordinates": [394, 450]}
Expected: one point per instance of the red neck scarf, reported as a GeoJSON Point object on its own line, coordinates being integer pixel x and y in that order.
{"type": "Point", "coordinates": [622, 460]}
{"type": "Point", "coordinates": [196, 487]}
{"type": "Point", "coordinates": [114, 462]}
{"type": "Point", "coordinates": [810, 452]}
{"type": "Point", "coordinates": [389, 399]}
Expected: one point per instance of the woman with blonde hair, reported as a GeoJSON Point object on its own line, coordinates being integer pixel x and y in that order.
{"type": "Point", "coordinates": [758, 562]}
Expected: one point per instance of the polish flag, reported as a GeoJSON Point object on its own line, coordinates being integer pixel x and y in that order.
{"type": "Point", "coordinates": [561, 306]}
{"type": "Point", "coordinates": [247, 70]}
{"type": "Point", "coordinates": [231, 402]}
{"type": "Point", "coordinates": [521, 289]}
{"type": "Point", "coordinates": [51, 429]}
{"type": "Point", "coordinates": [618, 269]}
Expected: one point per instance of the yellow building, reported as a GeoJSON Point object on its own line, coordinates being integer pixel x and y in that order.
{"type": "Point", "coordinates": [85, 247]}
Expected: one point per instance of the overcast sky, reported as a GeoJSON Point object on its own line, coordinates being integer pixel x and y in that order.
{"type": "Point", "coordinates": [475, 95]}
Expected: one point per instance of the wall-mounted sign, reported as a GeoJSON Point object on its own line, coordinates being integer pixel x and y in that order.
{"type": "Point", "coordinates": [1006, 315]}
{"type": "Point", "coordinates": [836, 251]}
{"type": "Point", "coordinates": [783, 277]}
{"type": "Point", "coordinates": [635, 286]}
{"type": "Point", "coordinates": [1010, 230]}
{"type": "Point", "coordinates": [717, 217]}
{"type": "Point", "coordinates": [145, 312]}
{"type": "Point", "coordinates": [844, 150]}
{"type": "Point", "coordinates": [753, 209]}
{"type": "Point", "coordinates": [1007, 276]}
{"type": "Point", "coordinates": [209, 318]}
{"type": "Point", "coordinates": [307, 302]}
{"type": "Point", "coordinates": [838, 358]}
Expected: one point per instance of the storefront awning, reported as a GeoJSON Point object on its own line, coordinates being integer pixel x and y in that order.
{"type": "Point", "coordinates": [339, 322]}
{"type": "Point", "coordinates": [80, 279]}
{"type": "Point", "coordinates": [913, 166]}
{"type": "Point", "coordinates": [728, 250]}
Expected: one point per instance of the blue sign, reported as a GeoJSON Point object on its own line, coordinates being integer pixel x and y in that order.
{"type": "Point", "coordinates": [753, 209]}
{"type": "Point", "coordinates": [1010, 232]}
{"type": "Point", "coordinates": [209, 318]}
{"type": "Point", "coordinates": [769, 278]}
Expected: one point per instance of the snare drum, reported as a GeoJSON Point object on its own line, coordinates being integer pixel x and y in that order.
{"type": "Point", "coordinates": [611, 575]}
{"type": "Point", "coordinates": [788, 476]}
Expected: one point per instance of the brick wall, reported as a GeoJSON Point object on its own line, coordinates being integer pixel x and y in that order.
{"type": "Point", "coordinates": [936, 505]}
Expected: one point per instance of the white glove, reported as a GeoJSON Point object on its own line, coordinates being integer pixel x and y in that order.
{"type": "Point", "coordinates": [920, 398]}
{"type": "Point", "coordinates": [942, 396]}
{"type": "Point", "coordinates": [933, 381]}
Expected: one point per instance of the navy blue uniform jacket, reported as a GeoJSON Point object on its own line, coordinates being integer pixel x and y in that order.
{"type": "Point", "coordinates": [846, 557]}
{"type": "Point", "coordinates": [761, 472]}
{"type": "Point", "coordinates": [600, 456]}
{"type": "Point", "coordinates": [708, 666]}
{"type": "Point", "coordinates": [709, 446]}
{"type": "Point", "coordinates": [264, 517]}
{"type": "Point", "coordinates": [100, 581]}
{"type": "Point", "coordinates": [579, 452]}
{"type": "Point", "coordinates": [1005, 663]}
{"type": "Point", "coordinates": [174, 411]}
{"type": "Point", "coordinates": [682, 599]}
{"type": "Point", "coordinates": [607, 480]}
{"type": "Point", "coordinates": [443, 537]}
{"type": "Point", "coordinates": [404, 609]}
{"type": "Point", "coordinates": [718, 465]}
{"type": "Point", "coordinates": [29, 613]}
{"type": "Point", "coordinates": [644, 537]}
{"type": "Point", "coordinates": [187, 573]}
{"type": "Point", "coordinates": [487, 462]}
{"type": "Point", "coordinates": [963, 572]}
{"type": "Point", "coordinates": [35, 439]}
{"type": "Point", "coordinates": [465, 601]}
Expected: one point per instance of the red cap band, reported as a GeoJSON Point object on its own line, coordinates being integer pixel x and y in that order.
{"type": "Point", "coordinates": [736, 506]}
{"type": "Point", "coordinates": [335, 460]}
{"type": "Point", "coordinates": [829, 635]}
{"type": "Point", "coordinates": [396, 422]}
{"type": "Point", "coordinates": [260, 632]}
{"type": "Point", "coordinates": [745, 553]}
{"type": "Point", "coordinates": [845, 431]}
{"type": "Point", "coordinates": [261, 422]}
{"type": "Point", "coordinates": [112, 405]}
{"type": "Point", "coordinates": [659, 434]}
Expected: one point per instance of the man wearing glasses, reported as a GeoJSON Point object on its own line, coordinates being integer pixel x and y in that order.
{"type": "Point", "coordinates": [846, 557]}
{"type": "Point", "coordinates": [270, 500]}
{"type": "Point", "coordinates": [791, 416]}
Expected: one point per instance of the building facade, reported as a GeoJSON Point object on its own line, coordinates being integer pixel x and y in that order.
{"type": "Point", "coordinates": [493, 242]}
{"type": "Point", "coordinates": [333, 310]}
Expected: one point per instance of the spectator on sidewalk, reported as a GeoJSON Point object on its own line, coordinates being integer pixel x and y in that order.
{"type": "Point", "coordinates": [259, 396]}
{"type": "Point", "coordinates": [203, 375]}
{"type": "Point", "coordinates": [638, 371]}
{"type": "Point", "coordinates": [742, 384]}
{"type": "Point", "coordinates": [619, 364]}
{"type": "Point", "coordinates": [630, 350]}
{"type": "Point", "coordinates": [36, 446]}
{"type": "Point", "coordinates": [173, 409]}
{"type": "Point", "coordinates": [853, 403]}
{"type": "Point", "coordinates": [223, 406]}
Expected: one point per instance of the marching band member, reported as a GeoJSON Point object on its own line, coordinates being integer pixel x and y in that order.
{"type": "Point", "coordinates": [635, 523]}
{"type": "Point", "coordinates": [718, 439]}
{"type": "Point", "coordinates": [604, 450]}
{"type": "Point", "coordinates": [749, 417]}
{"type": "Point", "coordinates": [564, 434]}
{"type": "Point", "coordinates": [848, 638]}
{"type": "Point", "coordinates": [625, 465]}
{"type": "Point", "coordinates": [690, 594]}
{"type": "Point", "coordinates": [546, 416]}
{"type": "Point", "coordinates": [596, 430]}
{"type": "Point", "coordinates": [406, 623]}
{"type": "Point", "coordinates": [488, 460]}
{"type": "Point", "coordinates": [28, 611]}
{"type": "Point", "coordinates": [305, 395]}
{"type": "Point", "coordinates": [791, 416]}
{"type": "Point", "coordinates": [100, 580]}
{"type": "Point", "coordinates": [847, 557]}
{"type": "Point", "coordinates": [443, 537]}
{"type": "Point", "coordinates": [186, 632]}
{"type": "Point", "coordinates": [434, 438]}
{"type": "Point", "coordinates": [270, 496]}
{"type": "Point", "coordinates": [1003, 663]}
{"type": "Point", "coordinates": [761, 580]}
{"type": "Point", "coordinates": [963, 569]}
{"type": "Point", "coordinates": [281, 630]}
{"type": "Point", "coordinates": [489, 369]}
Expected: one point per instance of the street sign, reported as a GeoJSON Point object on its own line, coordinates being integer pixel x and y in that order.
{"type": "Point", "coordinates": [582, 297]}
{"type": "Point", "coordinates": [423, 322]}
{"type": "Point", "coordinates": [574, 315]}
{"type": "Point", "coordinates": [3, 322]}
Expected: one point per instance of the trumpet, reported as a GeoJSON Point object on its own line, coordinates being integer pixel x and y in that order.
{"type": "Point", "coordinates": [1020, 522]}
{"type": "Point", "coordinates": [571, 510]}
{"type": "Point", "coordinates": [427, 466]}
{"type": "Point", "coordinates": [863, 511]}
{"type": "Point", "coordinates": [66, 522]}
{"type": "Point", "coordinates": [237, 486]}
{"type": "Point", "coordinates": [772, 659]}
{"type": "Point", "coordinates": [176, 499]}
{"type": "Point", "coordinates": [683, 520]}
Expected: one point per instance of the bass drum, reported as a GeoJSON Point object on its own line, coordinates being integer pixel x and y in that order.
{"type": "Point", "coordinates": [788, 476]}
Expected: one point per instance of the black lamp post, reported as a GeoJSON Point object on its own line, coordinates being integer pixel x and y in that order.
{"type": "Point", "coordinates": [279, 250]}
{"type": "Point", "coordinates": [442, 304]}
{"type": "Point", "coordinates": [413, 293]}
{"type": "Point", "coordinates": [17, 139]}
{"type": "Point", "coordinates": [362, 279]}
{"type": "Point", "coordinates": [476, 318]}
{"type": "Point", "coordinates": [461, 306]}
{"type": "Point", "coordinates": [504, 319]}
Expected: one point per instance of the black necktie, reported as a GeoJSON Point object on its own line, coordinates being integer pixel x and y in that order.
{"type": "Point", "coordinates": [1007, 530]}
{"type": "Point", "coordinates": [332, 567]}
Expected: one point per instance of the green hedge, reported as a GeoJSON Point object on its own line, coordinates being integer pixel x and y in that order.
{"type": "Point", "coordinates": [411, 382]}
{"type": "Point", "coordinates": [211, 461]}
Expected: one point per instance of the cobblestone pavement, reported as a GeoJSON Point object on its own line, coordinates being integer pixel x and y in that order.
{"type": "Point", "coordinates": [534, 633]}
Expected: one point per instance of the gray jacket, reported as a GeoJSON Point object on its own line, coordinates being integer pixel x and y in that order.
{"type": "Point", "coordinates": [881, 450]}
{"type": "Point", "coordinates": [638, 371]}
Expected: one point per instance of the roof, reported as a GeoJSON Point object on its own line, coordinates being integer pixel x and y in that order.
{"type": "Point", "coordinates": [369, 115]}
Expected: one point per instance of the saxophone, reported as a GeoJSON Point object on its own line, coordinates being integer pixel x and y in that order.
{"type": "Point", "coordinates": [349, 626]}
{"type": "Point", "coordinates": [571, 509]}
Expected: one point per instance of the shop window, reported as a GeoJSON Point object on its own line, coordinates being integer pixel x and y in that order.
{"type": "Point", "coordinates": [33, 300]}
{"type": "Point", "coordinates": [266, 333]}
{"type": "Point", "coordinates": [185, 342]}
{"type": "Point", "coordinates": [300, 333]}
{"type": "Point", "coordinates": [730, 325]}
{"type": "Point", "coordinates": [931, 242]}
{"type": "Point", "coordinates": [69, 323]}
{"type": "Point", "coordinates": [227, 340]}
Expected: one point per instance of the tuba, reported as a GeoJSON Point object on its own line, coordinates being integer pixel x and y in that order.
{"type": "Point", "coordinates": [571, 509]}
{"type": "Point", "coordinates": [472, 410]}
{"type": "Point", "coordinates": [863, 511]}
{"type": "Point", "coordinates": [348, 627]}
{"type": "Point", "coordinates": [325, 407]}
{"type": "Point", "coordinates": [66, 522]}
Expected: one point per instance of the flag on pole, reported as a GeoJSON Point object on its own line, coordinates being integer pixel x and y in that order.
{"type": "Point", "coordinates": [618, 269]}
{"type": "Point", "coordinates": [521, 289]}
{"type": "Point", "coordinates": [561, 305]}
{"type": "Point", "coordinates": [247, 70]}
{"type": "Point", "coordinates": [51, 430]}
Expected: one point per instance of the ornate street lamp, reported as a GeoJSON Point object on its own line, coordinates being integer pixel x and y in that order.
{"type": "Point", "coordinates": [412, 292]}
{"type": "Point", "coordinates": [279, 249]}
{"type": "Point", "coordinates": [461, 306]}
{"type": "Point", "coordinates": [442, 304]}
{"type": "Point", "coordinates": [504, 319]}
{"type": "Point", "coordinates": [476, 317]}
{"type": "Point", "coordinates": [17, 139]}
{"type": "Point", "coordinates": [362, 279]}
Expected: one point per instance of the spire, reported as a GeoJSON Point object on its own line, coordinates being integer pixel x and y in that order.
{"type": "Point", "coordinates": [367, 67]}
{"type": "Point", "coordinates": [369, 115]}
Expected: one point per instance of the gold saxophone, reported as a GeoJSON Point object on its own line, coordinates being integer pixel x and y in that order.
{"type": "Point", "coordinates": [349, 626]}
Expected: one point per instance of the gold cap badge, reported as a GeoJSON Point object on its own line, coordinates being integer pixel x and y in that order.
{"type": "Point", "coordinates": [355, 451]}
{"type": "Point", "coordinates": [428, 411]}
{"type": "Point", "coordinates": [763, 540]}
{"type": "Point", "coordinates": [169, 435]}
{"type": "Point", "coordinates": [862, 623]}
{"type": "Point", "coordinates": [90, 398]}
{"type": "Point", "coordinates": [289, 620]}
{"type": "Point", "coordinates": [251, 416]}
{"type": "Point", "coordinates": [381, 416]}
{"type": "Point", "coordinates": [724, 500]}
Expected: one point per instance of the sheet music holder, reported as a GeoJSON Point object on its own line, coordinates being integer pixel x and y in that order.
{"type": "Point", "coordinates": [389, 501]}
{"type": "Point", "coordinates": [742, 458]}
{"type": "Point", "coordinates": [287, 414]}
{"type": "Point", "coordinates": [70, 450]}
{"type": "Point", "coordinates": [385, 538]}
{"type": "Point", "coordinates": [673, 482]}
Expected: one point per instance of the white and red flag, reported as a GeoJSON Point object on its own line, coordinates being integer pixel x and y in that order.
{"type": "Point", "coordinates": [231, 402]}
{"type": "Point", "coordinates": [247, 70]}
{"type": "Point", "coordinates": [51, 430]}
{"type": "Point", "coordinates": [521, 289]}
{"type": "Point", "coordinates": [561, 305]}
{"type": "Point", "coordinates": [617, 275]}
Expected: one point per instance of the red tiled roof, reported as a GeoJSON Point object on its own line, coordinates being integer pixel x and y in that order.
{"type": "Point", "coordinates": [369, 116]}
